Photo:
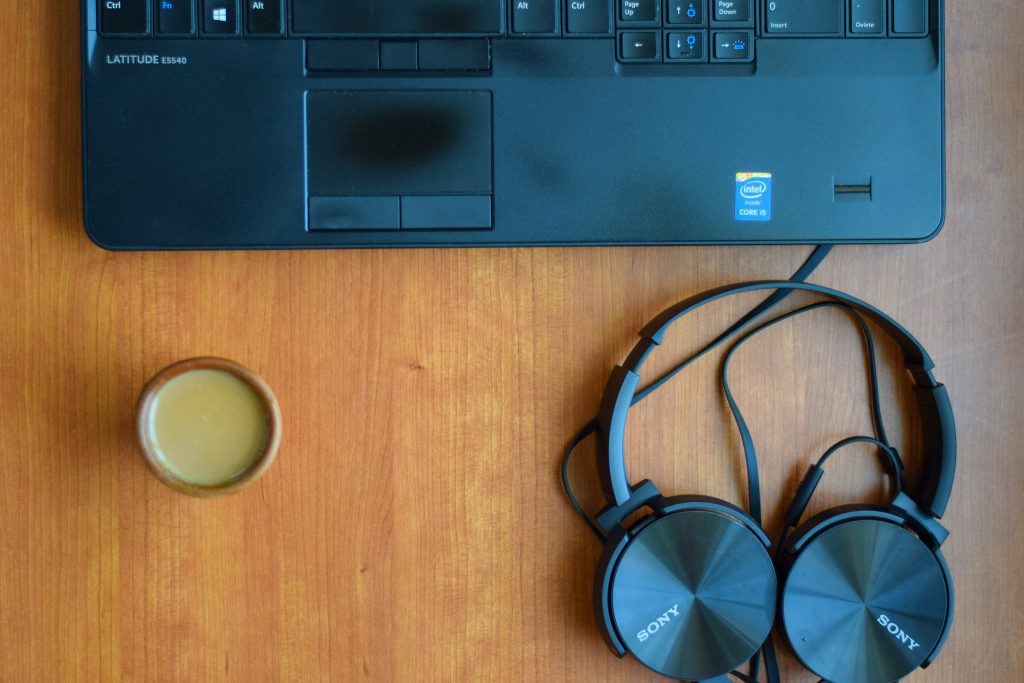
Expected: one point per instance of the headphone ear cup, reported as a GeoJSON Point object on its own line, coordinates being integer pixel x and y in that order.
{"type": "Point", "coordinates": [618, 538]}
{"type": "Point", "coordinates": [692, 592]}
{"type": "Point", "coordinates": [864, 599]}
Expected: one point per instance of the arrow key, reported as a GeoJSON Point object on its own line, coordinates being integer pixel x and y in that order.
{"type": "Point", "coordinates": [685, 46]}
{"type": "Point", "coordinates": [689, 12]}
{"type": "Point", "coordinates": [733, 47]}
{"type": "Point", "coordinates": [639, 46]}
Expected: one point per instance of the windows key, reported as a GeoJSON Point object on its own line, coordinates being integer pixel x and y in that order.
{"type": "Point", "coordinates": [220, 17]}
{"type": "Point", "coordinates": [733, 47]}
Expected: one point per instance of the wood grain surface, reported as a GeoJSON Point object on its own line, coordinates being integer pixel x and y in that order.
{"type": "Point", "coordinates": [413, 527]}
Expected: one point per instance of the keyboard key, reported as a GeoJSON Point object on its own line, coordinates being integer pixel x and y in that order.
{"type": "Point", "coordinates": [822, 17]}
{"type": "Point", "coordinates": [732, 10]}
{"type": "Point", "coordinates": [175, 17]}
{"type": "Point", "coordinates": [687, 12]}
{"type": "Point", "coordinates": [909, 16]}
{"type": "Point", "coordinates": [399, 17]}
{"type": "Point", "coordinates": [264, 17]}
{"type": "Point", "coordinates": [124, 16]}
{"type": "Point", "coordinates": [533, 16]}
{"type": "Point", "coordinates": [685, 46]}
{"type": "Point", "coordinates": [354, 213]}
{"type": "Point", "coordinates": [587, 16]}
{"type": "Point", "coordinates": [639, 46]}
{"type": "Point", "coordinates": [446, 212]}
{"type": "Point", "coordinates": [399, 56]}
{"type": "Point", "coordinates": [867, 17]}
{"type": "Point", "coordinates": [220, 17]}
{"type": "Point", "coordinates": [639, 10]}
{"type": "Point", "coordinates": [733, 47]}
{"type": "Point", "coordinates": [342, 55]}
{"type": "Point", "coordinates": [455, 55]}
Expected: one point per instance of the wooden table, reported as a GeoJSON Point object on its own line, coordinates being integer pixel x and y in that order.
{"type": "Point", "coordinates": [413, 527]}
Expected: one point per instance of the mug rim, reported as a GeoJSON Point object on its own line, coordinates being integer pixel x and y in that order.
{"type": "Point", "coordinates": [156, 465]}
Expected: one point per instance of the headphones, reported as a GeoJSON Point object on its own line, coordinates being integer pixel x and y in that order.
{"type": "Point", "coordinates": [692, 590]}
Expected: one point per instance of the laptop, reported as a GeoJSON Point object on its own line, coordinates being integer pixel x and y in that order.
{"type": "Point", "coordinates": [250, 124]}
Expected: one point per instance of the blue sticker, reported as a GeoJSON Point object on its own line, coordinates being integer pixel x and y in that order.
{"type": "Point", "coordinates": [753, 196]}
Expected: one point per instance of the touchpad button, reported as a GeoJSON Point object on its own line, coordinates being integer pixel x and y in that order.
{"type": "Point", "coordinates": [394, 144]}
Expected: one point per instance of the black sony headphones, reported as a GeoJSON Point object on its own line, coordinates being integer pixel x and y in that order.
{"type": "Point", "coordinates": [691, 589]}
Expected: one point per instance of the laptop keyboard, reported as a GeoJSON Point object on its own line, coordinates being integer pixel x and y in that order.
{"type": "Point", "coordinates": [414, 36]}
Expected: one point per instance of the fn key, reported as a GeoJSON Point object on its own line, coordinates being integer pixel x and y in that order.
{"type": "Point", "coordinates": [264, 17]}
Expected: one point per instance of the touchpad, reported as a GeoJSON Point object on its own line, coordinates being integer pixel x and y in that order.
{"type": "Point", "coordinates": [396, 144]}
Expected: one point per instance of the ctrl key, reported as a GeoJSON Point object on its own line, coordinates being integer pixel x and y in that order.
{"type": "Point", "coordinates": [638, 46]}
{"type": "Point", "coordinates": [125, 17]}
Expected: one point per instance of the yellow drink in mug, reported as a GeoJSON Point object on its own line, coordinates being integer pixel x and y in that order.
{"type": "Point", "coordinates": [208, 426]}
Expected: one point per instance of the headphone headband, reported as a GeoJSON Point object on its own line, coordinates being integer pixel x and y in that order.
{"type": "Point", "coordinates": [936, 413]}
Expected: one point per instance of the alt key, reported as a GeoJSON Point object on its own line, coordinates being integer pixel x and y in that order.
{"type": "Point", "coordinates": [264, 17]}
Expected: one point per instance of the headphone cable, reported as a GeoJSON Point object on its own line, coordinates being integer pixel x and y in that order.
{"type": "Point", "coordinates": [819, 254]}
{"type": "Point", "coordinates": [750, 454]}
{"type": "Point", "coordinates": [808, 267]}
{"type": "Point", "coordinates": [749, 451]}
{"type": "Point", "coordinates": [796, 508]}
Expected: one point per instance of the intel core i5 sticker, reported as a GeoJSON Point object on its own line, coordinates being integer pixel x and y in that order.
{"type": "Point", "coordinates": [753, 196]}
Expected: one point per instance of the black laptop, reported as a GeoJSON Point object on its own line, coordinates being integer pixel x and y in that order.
{"type": "Point", "coordinates": [349, 123]}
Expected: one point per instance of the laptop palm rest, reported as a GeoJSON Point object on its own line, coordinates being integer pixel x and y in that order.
{"type": "Point", "coordinates": [399, 160]}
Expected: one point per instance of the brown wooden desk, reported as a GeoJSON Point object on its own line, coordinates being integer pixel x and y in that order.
{"type": "Point", "coordinates": [413, 527]}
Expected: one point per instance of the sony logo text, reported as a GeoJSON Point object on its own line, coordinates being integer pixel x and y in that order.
{"type": "Point", "coordinates": [658, 623]}
{"type": "Point", "coordinates": [897, 632]}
